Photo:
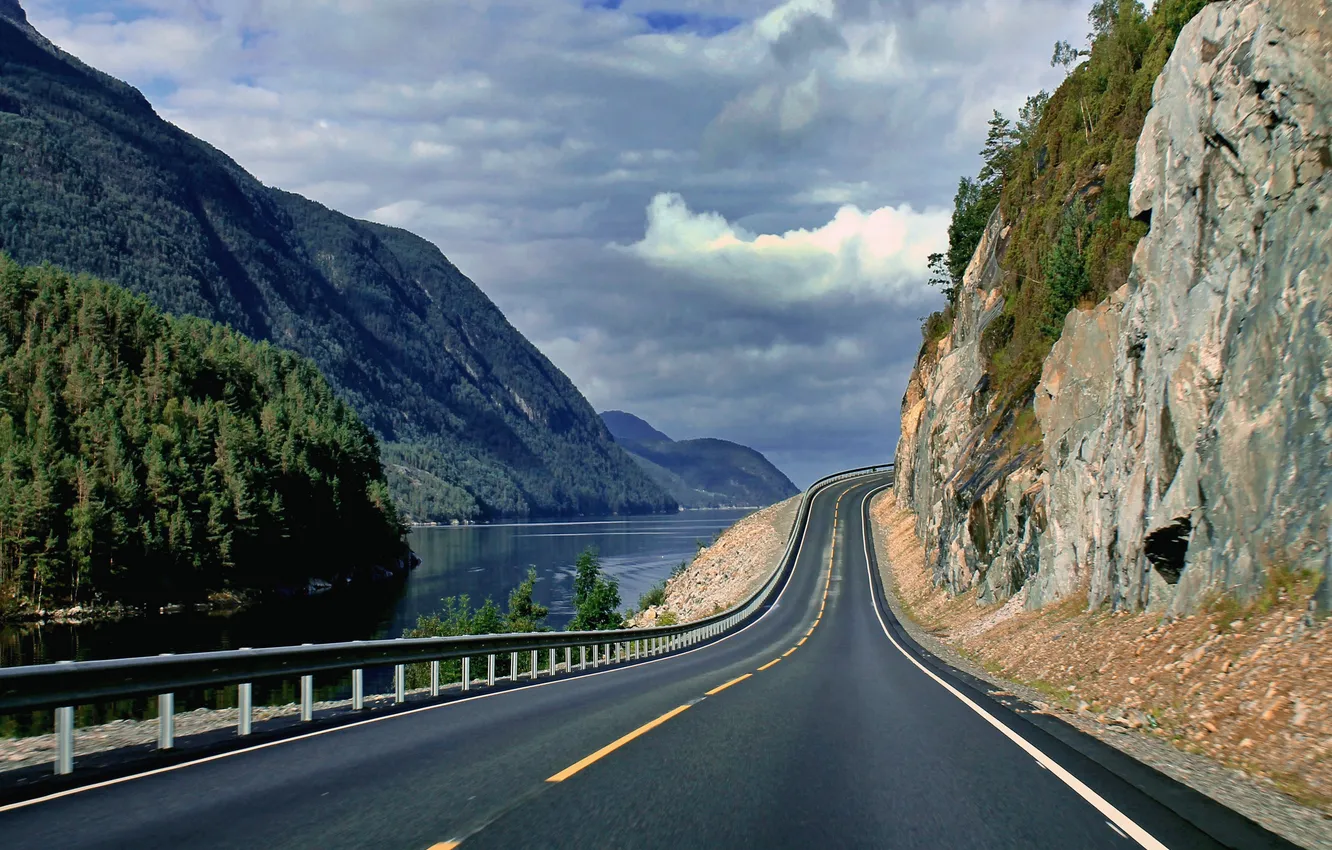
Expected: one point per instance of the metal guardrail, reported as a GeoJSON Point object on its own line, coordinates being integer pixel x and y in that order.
{"type": "Point", "coordinates": [63, 685]}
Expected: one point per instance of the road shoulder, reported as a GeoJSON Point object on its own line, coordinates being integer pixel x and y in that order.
{"type": "Point", "coordinates": [895, 543]}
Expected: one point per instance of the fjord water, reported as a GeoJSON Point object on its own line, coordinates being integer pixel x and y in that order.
{"type": "Point", "coordinates": [478, 560]}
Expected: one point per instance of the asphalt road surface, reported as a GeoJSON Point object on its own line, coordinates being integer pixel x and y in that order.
{"type": "Point", "coordinates": [818, 725]}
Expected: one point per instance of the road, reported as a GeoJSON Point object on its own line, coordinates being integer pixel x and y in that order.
{"type": "Point", "coordinates": [833, 732]}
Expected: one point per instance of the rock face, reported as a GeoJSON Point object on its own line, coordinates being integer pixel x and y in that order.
{"type": "Point", "coordinates": [1186, 420]}
{"type": "Point", "coordinates": [979, 503]}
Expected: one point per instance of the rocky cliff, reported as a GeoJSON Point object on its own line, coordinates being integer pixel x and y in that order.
{"type": "Point", "coordinates": [1182, 436]}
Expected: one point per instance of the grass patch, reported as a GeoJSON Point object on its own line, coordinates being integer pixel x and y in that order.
{"type": "Point", "coordinates": [1283, 584]}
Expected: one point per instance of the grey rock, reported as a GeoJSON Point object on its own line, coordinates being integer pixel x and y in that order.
{"type": "Point", "coordinates": [1186, 419]}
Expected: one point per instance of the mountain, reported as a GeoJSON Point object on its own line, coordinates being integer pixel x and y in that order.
{"type": "Point", "coordinates": [475, 421]}
{"type": "Point", "coordinates": [703, 473]}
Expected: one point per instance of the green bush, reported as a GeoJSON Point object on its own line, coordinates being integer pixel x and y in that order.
{"type": "Point", "coordinates": [457, 617]}
{"type": "Point", "coordinates": [655, 595]}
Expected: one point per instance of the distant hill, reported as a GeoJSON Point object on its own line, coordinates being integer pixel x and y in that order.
{"type": "Point", "coordinates": [475, 421]}
{"type": "Point", "coordinates": [626, 426]}
{"type": "Point", "coordinates": [700, 473]}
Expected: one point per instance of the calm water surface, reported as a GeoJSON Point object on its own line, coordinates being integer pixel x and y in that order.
{"type": "Point", "coordinates": [481, 561]}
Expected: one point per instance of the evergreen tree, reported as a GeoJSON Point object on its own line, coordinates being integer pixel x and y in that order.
{"type": "Point", "coordinates": [596, 596]}
{"type": "Point", "coordinates": [524, 614]}
{"type": "Point", "coordinates": [1066, 266]}
{"type": "Point", "coordinates": [972, 206]}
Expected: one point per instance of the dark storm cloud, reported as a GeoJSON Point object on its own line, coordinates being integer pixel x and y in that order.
{"type": "Point", "coordinates": [711, 213]}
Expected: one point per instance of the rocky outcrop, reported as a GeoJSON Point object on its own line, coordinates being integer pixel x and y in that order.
{"type": "Point", "coordinates": [977, 496]}
{"type": "Point", "coordinates": [735, 565]}
{"type": "Point", "coordinates": [1186, 421]}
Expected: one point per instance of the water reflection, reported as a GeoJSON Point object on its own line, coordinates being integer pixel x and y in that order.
{"type": "Point", "coordinates": [480, 561]}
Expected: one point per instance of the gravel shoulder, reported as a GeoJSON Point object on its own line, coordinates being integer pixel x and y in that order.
{"type": "Point", "coordinates": [1181, 696]}
{"type": "Point", "coordinates": [729, 570]}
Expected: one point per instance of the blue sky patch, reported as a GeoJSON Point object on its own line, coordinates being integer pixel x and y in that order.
{"type": "Point", "coordinates": [704, 25]}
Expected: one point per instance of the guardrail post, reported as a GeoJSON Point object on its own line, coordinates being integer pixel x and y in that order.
{"type": "Point", "coordinates": [568, 659]}
{"type": "Point", "coordinates": [467, 673]}
{"type": "Point", "coordinates": [399, 683]}
{"type": "Point", "coordinates": [244, 707]}
{"type": "Point", "coordinates": [513, 666]}
{"type": "Point", "coordinates": [552, 661]}
{"type": "Point", "coordinates": [534, 664]}
{"type": "Point", "coordinates": [582, 658]}
{"type": "Point", "coordinates": [358, 689]}
{"type": "Point", "coordinates": [166, 720]}
{"type": "Point", "coordinates": [434, 678]}
{"type": "Point", "coordinates": [307, 698]}
{"type": "Point", "coordinates": [64, 722]}
{"type": "Point", "coordinates": [490, 669]}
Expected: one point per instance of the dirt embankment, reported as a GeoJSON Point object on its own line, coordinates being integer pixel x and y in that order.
{"type": "Point", "coordinates": [729, 570]}
{"type": "Point", "coordinates": [1235, 700]}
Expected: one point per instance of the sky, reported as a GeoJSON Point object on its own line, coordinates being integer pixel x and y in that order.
{"type": "Point", "coordinates": [712, 214]}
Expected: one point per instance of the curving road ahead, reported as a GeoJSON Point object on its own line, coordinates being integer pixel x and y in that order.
{"type": "Point", "coordinates": [819, 725]}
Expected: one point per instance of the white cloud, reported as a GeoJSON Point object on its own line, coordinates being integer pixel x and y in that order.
{"type": "Point", "coordinates": [883, 251]}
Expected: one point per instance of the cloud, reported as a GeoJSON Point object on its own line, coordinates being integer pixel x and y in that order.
{"type": "Point", "coordinates": [793, 159]}
{"type": "Point", "coordinates": [881, 252]}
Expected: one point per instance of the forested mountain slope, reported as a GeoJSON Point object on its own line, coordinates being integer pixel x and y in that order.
{"type": "Point", "coordinates": [476, 422]}
{"type": "Point", "coordinates": [150, 458]}
{"type": "Point", "coordinates": [702, 473]}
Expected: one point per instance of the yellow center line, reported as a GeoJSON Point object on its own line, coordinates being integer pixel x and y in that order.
{"type": "Point", "coordinates": [788, 652]}
{"type": "Point", "coordinates": [444, 845]}
{"type": "Point", "coordinates": [803, 639]}
{"type": "Point", "coordinates": [769, 664]}
{"type": "Point", "coordinates": [615, 745]}
{"type": "Point", "coordinates": [734, 681]}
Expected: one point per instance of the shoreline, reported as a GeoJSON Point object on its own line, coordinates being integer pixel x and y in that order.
{"type": "Point", "coordinates": [471, 523]}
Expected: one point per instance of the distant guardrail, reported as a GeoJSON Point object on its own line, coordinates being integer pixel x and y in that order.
{"type": "Point", "coordinates": [63, 685]}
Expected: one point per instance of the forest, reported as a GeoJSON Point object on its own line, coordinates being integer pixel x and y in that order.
{"type": "Point", "coordinates": [146, 458]}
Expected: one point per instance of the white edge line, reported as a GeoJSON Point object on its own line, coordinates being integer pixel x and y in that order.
{"type": "Point", "coordinates": [69, 792]}
{"type": "Point", "coordinates": [1116, 817]}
